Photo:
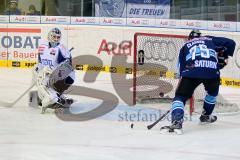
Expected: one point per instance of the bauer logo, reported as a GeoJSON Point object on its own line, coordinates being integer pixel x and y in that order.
{"type": "Point", "coordinates": [111, 8]}
{"type": "Point", "coordinates": [113, 69]}
{"type": "Point", "coordinates": [128, 70]}
{"type": "Point", "coordinates": [16, 64]}
{"type": "Point", "coordinates": [79, 67]}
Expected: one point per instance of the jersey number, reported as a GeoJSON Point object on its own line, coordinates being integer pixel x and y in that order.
{"type": "Point", "coordinates": [200, 50]}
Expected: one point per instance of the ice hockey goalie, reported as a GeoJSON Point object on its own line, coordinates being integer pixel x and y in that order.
{"type": "Point", "coordinates": [53, 74]}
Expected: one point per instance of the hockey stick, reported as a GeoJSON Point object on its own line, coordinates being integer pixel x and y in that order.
{"type": "Point", "coordinates": [6, 104]}
{"type": "Point", "coordinates": [160, 118]}
{"type": "Point", "coordinates": [71, 49]}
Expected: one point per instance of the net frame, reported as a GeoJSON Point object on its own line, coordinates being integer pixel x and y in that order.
{"type": "Point", "coordinates": [136, 35]}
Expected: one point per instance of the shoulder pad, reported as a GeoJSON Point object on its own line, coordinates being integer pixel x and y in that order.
{"type": "Point", "coordinates": [64, 51]}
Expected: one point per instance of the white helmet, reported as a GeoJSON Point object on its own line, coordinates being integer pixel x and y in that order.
{"type": "Point", "coordinates": [54, 37]}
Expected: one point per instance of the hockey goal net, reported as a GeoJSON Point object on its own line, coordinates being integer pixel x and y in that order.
{"type": "Point", "coordinates": [155, 72]}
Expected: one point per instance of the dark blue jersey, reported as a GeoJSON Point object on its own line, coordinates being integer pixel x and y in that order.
{"type": "Point", "coordinates": [10, 12]}
{"type": "Point", "coordinates": [198, 57]}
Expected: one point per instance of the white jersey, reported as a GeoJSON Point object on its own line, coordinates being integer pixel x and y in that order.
{"type": "Point", "coordinates": [52, 56]}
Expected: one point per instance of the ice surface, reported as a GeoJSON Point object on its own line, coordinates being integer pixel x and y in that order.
{"type": "Point", "coordinates": [25, 134]}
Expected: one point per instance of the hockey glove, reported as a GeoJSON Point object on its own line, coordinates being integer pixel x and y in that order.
{"type": "Point", "coordinates": [222, 58]}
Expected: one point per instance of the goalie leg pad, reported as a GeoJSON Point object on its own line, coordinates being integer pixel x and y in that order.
{"type": "Point", "coordinates": [47, 95]}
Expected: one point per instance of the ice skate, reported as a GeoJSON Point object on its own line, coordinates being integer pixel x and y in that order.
{"type": "Point", "coordinates": [205, 119]}
{"type": "Point", "coordinates": [66, 100]}
{"type": "Point", "coordinates": [52, 106]}
{"type": "Point", "coordinates": [44, 108]}
{"type": "Point", "coordinates": [175, 128]}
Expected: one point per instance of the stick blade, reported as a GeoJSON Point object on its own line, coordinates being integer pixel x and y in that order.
{"type": "Point", "coordinates": [149, 127]}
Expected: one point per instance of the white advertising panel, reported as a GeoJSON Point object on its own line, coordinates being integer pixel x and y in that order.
{"type": "Point", "coordinates": [85, 20]}
{"type": "Point", "coordinates": [146, 22]}
{"type": "Point", "coordinates": [168, 23]}
{"type": "Point", "coordinates": [222, 25]}
{"type": "Point", "coordinates": [4, 19]}
{"type": "Point", "coordinates": [193, 24]}
{"type": "Point", "coordinates": [55, 19]}
{"type": "Point", "coordinates": [113, 21]}
{"type": "Point", "coordinates": [24, 19]}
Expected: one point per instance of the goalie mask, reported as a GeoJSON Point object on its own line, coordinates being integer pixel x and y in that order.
{"type": "Point", "coordinates": [194, 34]}
{"type": "Point", "coordinates": [54, 37]}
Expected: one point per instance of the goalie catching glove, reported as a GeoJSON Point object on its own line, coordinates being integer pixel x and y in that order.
{"type": "Point", "coordinates": [61, 72]}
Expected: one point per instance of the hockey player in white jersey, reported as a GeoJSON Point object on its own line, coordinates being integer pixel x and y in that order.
{"type": "Point", "coordinates": [54, 72]}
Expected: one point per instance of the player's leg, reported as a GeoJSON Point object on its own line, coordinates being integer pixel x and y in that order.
{"type": "Point", "coordinates": [47, 95]}
{"type": "Point", "coordinates": [184, 91]}
{"type": "Point", "coordinates": [212, 88]}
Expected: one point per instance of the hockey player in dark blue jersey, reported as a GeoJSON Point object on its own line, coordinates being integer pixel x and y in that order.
{"type": "Point", "coordinates": [200, 61]}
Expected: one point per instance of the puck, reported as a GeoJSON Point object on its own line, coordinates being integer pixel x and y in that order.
{"type": "Point", "coordinates": [132, 125]}
{"type": "Point", "coordinates": [161, 94]}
